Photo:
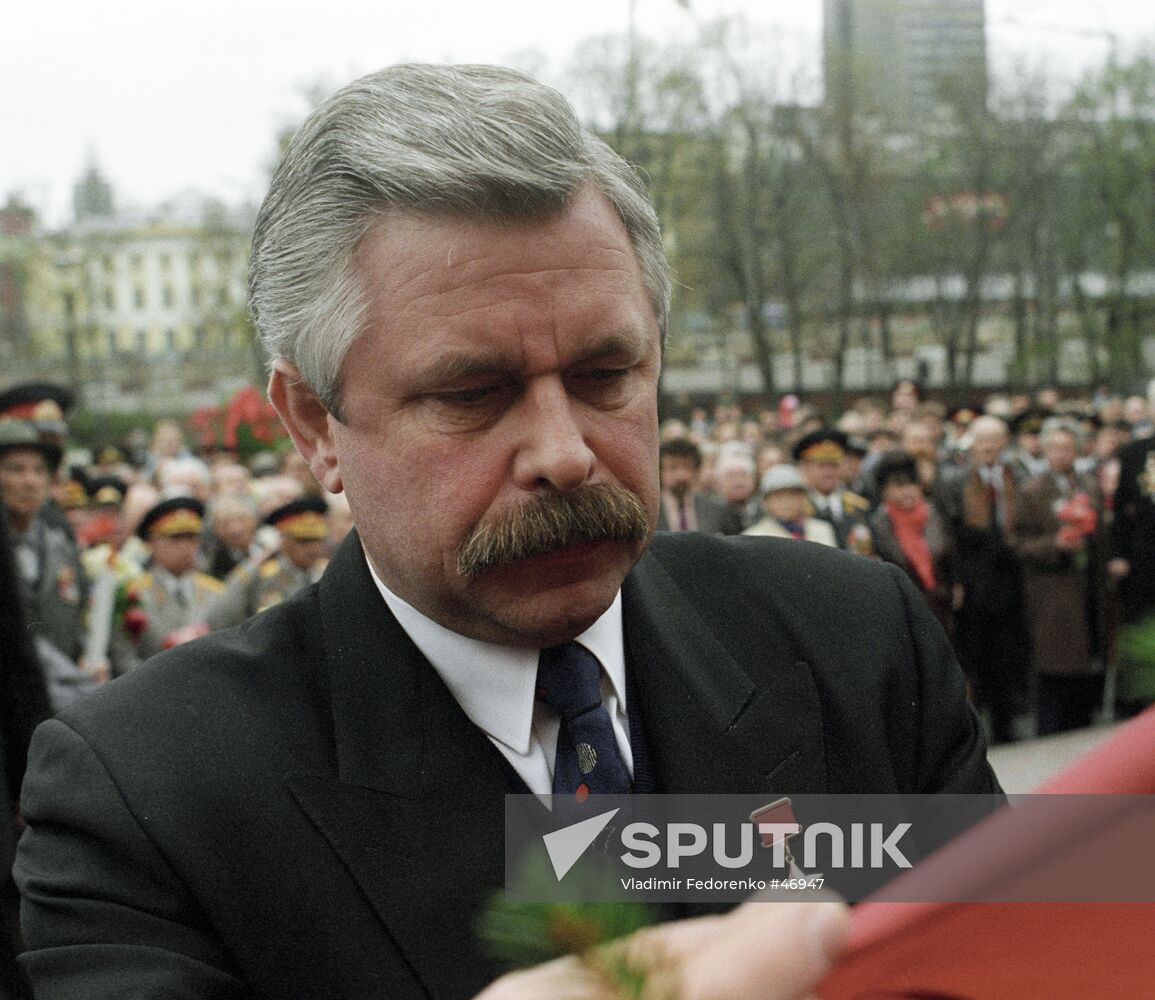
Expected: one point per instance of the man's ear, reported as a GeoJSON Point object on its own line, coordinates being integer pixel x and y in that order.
{"type": "Point", "coordinates": [308, 422]}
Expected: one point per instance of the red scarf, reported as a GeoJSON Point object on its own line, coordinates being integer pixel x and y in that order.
{"type": "Point", "coordinates": [910, 532]}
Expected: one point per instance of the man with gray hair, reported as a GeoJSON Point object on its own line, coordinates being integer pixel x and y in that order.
{"type": "Point", "coordinates": [978, 503]}
{"type": "Point", "coordinates": [464, 294]}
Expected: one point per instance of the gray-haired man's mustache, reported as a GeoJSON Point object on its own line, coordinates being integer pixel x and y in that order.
{"type": "Point", "coordinates": [553, 521]}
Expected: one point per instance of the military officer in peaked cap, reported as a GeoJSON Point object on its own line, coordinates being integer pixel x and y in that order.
{"type": "Point", "coordinates": [820, 456]}
{"type": "Point", "coordinates": [166, 604]}
{"type": "Point", "coordinates": [303, 528]}
{"type": "Point", "coordinates": [44, 406]}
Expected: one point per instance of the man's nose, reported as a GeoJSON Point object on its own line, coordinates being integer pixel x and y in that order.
{"type": "Point", "coordinates": [552, 451]}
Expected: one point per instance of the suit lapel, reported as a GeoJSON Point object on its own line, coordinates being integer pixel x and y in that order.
{"type": "Point", "coordinates": [712, 727]}
{"type": "Point", "coordinates": [416, 809]}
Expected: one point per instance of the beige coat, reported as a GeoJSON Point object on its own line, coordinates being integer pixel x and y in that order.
{"type": "Point", "coordinates": [1065, 593]}
{"type": "Point", "coordinates": [814, 529]}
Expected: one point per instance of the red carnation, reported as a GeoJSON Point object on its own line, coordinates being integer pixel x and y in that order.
{"type": "Point", "coordinates": [135, 622]}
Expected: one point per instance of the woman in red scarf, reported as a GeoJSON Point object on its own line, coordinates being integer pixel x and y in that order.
{"type": "Point", "coordinates": [908, 532]}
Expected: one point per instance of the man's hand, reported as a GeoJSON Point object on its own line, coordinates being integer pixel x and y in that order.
{"type": "Point", "coordinates": [96, 668]}
{"type": "Point", "coordinates": [763, 950]}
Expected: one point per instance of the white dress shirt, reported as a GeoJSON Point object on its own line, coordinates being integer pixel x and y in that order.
{"type": "Point", "coordinates": [495, 686]}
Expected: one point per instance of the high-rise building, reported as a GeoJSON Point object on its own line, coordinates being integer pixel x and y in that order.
{"type": "Point", "coordinates": [901, 59]}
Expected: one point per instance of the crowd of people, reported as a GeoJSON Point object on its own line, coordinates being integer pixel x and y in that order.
{"type": "Point", "coordinates": [1024, 524]}
{"type": "Point", "coordinates": [120, 555]}
{"type": "Point", "coordinates": [1023, 521]}
{"type": "Point", "coordinates": [1016, 521]}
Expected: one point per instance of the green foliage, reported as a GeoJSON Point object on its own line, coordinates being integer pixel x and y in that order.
{"type": "Point", "coordinates": [522, 934]}
{"type": "Point", "coordinates": [824, 212]}
{"type": "Point", "coordinates": [1137, 651]}
{"type": "Point", "coordinates": [88, 429]}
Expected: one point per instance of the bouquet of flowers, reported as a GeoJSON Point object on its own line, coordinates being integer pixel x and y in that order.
{"type": "Point", "coordinates": [128, 611]}
{"type": "Point", "coordinates": [245, 424]}
{"type": "Point", "coordinates": [1078, 519]}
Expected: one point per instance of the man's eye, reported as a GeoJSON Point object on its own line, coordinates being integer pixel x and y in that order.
{"type": "Point", "coordinates": [468, 397]}
{"type": "Point", "coordinates": [468, 408]}
{"type": "Point", "coordinates": [601, 375]}
{"type": "Point", "coordinates": [602, 386]}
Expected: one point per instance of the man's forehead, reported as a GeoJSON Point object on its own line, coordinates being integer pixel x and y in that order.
{"type": "Point", "coordinates": [22, 456]}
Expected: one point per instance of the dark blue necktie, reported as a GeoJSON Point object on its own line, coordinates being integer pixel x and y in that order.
{"type": "Point", "coordinates": [569, 682]}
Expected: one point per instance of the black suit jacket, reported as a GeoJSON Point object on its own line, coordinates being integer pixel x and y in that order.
{"type": "Point", "coordinates": [298, 807]}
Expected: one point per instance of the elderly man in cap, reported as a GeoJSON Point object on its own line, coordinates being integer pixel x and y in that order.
{"type": "Point", "coordinates": [787, 509]}
{"type": "Point", "coordinates": [303, 530]}
{"type": "Point", "coordinates": [166, 604]}
{"type": "Point", "coordinates": [53, 585]}
{"type": "Point", "coordinates": [464, 295]}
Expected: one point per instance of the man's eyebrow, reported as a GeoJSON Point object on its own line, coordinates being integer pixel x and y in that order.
{"type": "Point", "coordinates": [447, 370]}
{"type": "Point", "coordinates": [626, 344]}
{"type": "Point", "coordinates": [456, 367]}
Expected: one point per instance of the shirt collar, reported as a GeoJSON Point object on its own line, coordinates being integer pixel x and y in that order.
{"type": "Point", "coordinates": [496, 685]}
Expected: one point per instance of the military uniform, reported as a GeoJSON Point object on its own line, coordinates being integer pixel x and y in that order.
{"type": "Point", "coordinates": [167, 606]}
{"type": "Point", "coordinates": [845, 511]}
{"type": "Point", "coordinates": [53, 586]}
{"type": "Point", "coordinates": [253, 587]}
{"type": "Point", "coordinates": [162, 606]}
{"type": "Point", "coordinates": [848, 514]}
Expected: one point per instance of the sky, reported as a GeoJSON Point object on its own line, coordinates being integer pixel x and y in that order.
{"type": "Point", "coordinates": [167, 98]}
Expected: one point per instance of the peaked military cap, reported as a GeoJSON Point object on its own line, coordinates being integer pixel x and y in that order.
{"type": "Point", "coordinates": [303, 519]}
{"type": "Point", "coordinates": [827, 444]}
{"type": "Point", "coordinates": [176, 516]}
{"type": "Point", "coordinates": [107, 490]}
{"type": "Point", "coordinates": [43, 404]}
